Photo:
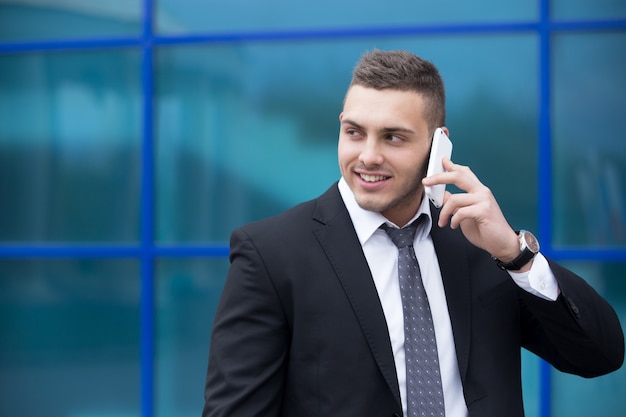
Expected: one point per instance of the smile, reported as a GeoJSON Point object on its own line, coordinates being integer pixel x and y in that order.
{"type": "Point", "coordinates": [372, 178]}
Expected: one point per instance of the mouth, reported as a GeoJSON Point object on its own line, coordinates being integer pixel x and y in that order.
{"type": "Point", "coordinates": [373, 178]}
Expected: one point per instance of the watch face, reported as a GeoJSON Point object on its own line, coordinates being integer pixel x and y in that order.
{"type": "Point", "coordinates": [531, 242]}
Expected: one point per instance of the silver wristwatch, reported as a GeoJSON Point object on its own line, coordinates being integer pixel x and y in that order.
{"type": "Point", "coordinates": [529, 247]}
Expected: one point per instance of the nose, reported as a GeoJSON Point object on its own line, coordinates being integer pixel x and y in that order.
{"type": "Point", "coordinates": [371, 153]}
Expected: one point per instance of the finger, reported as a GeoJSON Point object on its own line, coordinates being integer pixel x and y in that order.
{"type": "Point", "coordinates": [445, 213]}
{"type": "Point", "coordinates": [453, 203]}
{"type": "Point", "coordinates": [447, 163]}
{"type": "Point", "coordinates": [471, 212]}
{"type": "Point", "coordinates": [440, 178]}
{"type": "Point", "coordinates": [459, 175]}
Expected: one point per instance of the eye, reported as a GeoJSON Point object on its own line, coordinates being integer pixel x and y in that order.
{"type": "Point", "coordinates": [352, 132]}
{"type": "Point", "coordinates": [394, 138]}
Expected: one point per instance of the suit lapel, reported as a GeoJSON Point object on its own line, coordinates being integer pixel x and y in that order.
{"type": "Point", "coordinates": [341, 245]}
{"type": "Point", "coordinates": [453, 263]}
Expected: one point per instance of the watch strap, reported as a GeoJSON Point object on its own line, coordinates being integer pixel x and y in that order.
{"type": "Point", "coordinates": [516, 264]}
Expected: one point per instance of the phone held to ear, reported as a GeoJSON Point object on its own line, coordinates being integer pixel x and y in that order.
{"type": "Point", "coordinates": [441, 147]}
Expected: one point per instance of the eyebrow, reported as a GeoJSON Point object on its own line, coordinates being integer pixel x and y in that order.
{"type": "Point", "coordinates": [390, 129]}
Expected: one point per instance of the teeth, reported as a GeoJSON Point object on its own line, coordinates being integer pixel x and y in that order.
{"type": "Point", "coordinates": [372, 178]}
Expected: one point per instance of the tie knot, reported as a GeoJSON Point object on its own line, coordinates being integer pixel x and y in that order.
{"type": "Point", "coordinates": [402, 237]}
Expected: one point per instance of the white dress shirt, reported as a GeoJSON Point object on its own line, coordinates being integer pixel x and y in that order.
{"type": "Point", "coordinates": [382, 257]}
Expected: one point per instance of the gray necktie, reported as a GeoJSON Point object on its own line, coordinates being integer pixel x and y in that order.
{"type": "Point", "coordinates": [423, 379]}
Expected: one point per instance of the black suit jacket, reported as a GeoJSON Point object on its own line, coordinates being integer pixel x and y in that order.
{"type": "Point", "coordinates": [300, 331]}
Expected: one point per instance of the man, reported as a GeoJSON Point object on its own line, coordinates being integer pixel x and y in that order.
{"type": "Point", "coordinates": [312, 320]}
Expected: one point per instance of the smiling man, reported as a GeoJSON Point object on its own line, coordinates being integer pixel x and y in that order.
{"type": "Point", "coordinates": [352, 303]}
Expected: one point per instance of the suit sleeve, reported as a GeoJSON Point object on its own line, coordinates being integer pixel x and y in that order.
{"type": "Point", "coordinates": [579, 333]}
{"type": "Point", "coordinates": [249, 342]}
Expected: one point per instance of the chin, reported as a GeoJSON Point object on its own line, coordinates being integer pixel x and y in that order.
{"type": "Point", "coordinates": [372, 205]}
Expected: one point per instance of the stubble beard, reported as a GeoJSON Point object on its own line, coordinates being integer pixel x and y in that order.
{"type": "Point", "coordinates": [410, 194]}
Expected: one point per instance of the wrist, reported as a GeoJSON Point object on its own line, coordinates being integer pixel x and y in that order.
{"type": "Point", "coordinates": [509, 251]}
{"type": "Point", "coordinates": [528, 247]}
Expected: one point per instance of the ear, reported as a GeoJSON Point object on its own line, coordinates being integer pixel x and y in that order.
{"type": "Point", "coordinates": [445, 130]}
{"type": "Point", "coordinates": [340, 116]}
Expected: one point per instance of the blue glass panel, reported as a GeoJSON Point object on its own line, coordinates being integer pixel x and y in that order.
{"type": "Point", "coordinates": [603, 396]}
{"type": "Point", "coordinates": [28, 20]}
{"type": "Point", "coordinates": [187, 292]}
{"type": "Point", "coordinates": [530, 383]}
{"type": "Point", "coordinates": [247, 130]}
{"type": "Point", "coordinates": [589, 149]}
{"type": "Point", "coordinates": [69, 338]}
{"type": "Point", "coordinates": [588, 9]}
{"type": "Point", "coordinates": [70, 131]}
{"type": "Point", "coordinates": [185, 16]}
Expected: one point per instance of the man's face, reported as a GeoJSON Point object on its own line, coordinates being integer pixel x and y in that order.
{"type": "Point", "coordinates": [384, 144]}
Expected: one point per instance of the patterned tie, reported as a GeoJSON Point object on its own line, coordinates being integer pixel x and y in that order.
{"type": "Point", "coordinates": [423, 380]}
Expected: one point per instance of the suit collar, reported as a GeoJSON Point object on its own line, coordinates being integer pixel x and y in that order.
{"type": "Point", "coordinates": [365, 222]}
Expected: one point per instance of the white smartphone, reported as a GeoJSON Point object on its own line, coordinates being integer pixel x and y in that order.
{"type": "Point", "coordinates": [441, 147]}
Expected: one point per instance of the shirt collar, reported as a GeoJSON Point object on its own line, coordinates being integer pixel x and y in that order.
{"type": "Point", "coordinates": [367, 222]}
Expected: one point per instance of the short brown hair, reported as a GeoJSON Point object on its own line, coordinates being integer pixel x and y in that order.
{"type": "Point", "coordinates": [402, 70]}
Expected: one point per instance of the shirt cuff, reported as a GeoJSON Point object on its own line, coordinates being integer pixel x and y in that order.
{"type": "Point", "coordinates": [539, 280]}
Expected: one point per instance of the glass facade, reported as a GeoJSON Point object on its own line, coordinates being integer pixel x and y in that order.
{"type": "Point", "coordinates": [70, 143]}
{"type": "Point", "coordinates": [70, 337]}
{"type": "Point", "coordinates": [134, 136]}
{"type": "Point", "coordinates": [602, 396]}
{"type": "Point", "coordinates": [589, 157]}
{"type": "Point", "coordinates": [588, 9]}
{"type": "Point", "coordinates": [241, 16]}
{"type": "Point", "coordinates": [45, 20]}
{"type": "Point", "coordinates": [240, 128]}
{"type": "Point", "coordinates": [186, 295]}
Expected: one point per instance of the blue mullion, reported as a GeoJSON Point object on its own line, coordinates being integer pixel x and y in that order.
{"type": "Point", "coordinates": [69, 251]}
{"type": "Point", "coordinates": [545, 389]}
{"type": "Point", "coordinates": [309, 34]}
{"type": "Point", "coordinates": [326, 33]}
{"type": "Point", "coordinates": [147, 319]}
{"type": "Point", "coordinates": [352, 32]}
{"type": "Point", "coordinates": [68, 44]}
{"type": "Point", "coordinates": [221, 251]}
{"type": "Point", "coordinates": [544, 176]}
{"type": "Point", "coordinates": [110, 251]}
{"type": "Point", "coordinates": [212, 251]}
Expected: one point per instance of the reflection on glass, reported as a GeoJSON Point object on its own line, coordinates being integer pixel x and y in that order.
{"type": "Point", "coordinates": [31, 20]}
{"type": "Point", "coordinates": [589, 150]}
{"type": "Point", "coordinates": [603, 396]}
{"type": "Point", "coordinates": [70, 130]}
{"type": "Point", "coordinates": [531, 390]}
{"type": "Point", "coordinates": [588, 9]}
{"type": "Point", "coordinates": [184, 16]}
{"type": "Point", "coordinates": [247, 130]}
{"type": "Point", "coordinates": [187, 292]}
{"type": "Point", "coordinates": [69, 341]}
